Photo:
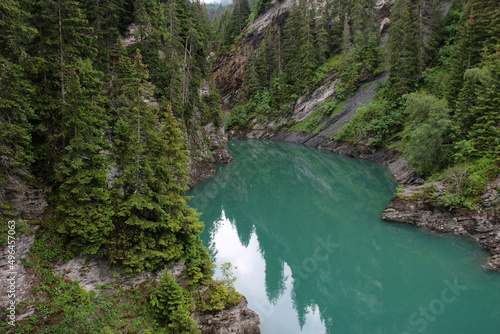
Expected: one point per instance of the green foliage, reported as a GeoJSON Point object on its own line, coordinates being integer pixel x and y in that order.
{"type": "Point", "coordinates": [217, 297]}
{"type": "Point", "coordinates": [403, 51]}
{"type": "Point", "coordinates": [172, 305]}
{"type": "Point", "coordinates": [427, 135]}
{"type": "Point", "coordinates": [212, 112]}
{"type": "Point", "coordinates": [258, 8]}
{"type": "Point", "coordinates": [237, 20]}
{"type": "Point", "coordinates": [237, 118]}
{"type": "Point", "coordinates": [227, 271]}
{"type": "Point", "coordinates": [198, 264]}
{"type": "Point", "coordinates": [376, 118]}
{"type": "Point", "coordinates": [49, 246]}
{"type": "Point", "coordinates": [467, 182]}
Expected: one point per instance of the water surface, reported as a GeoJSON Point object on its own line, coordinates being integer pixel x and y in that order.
{"type": "Point", "coordinates": [303, 228]}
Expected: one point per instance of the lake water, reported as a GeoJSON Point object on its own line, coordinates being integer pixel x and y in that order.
{"type": "Point", "coordinates": [303, 229]}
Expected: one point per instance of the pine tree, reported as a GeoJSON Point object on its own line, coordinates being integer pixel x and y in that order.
{"type": "Point", "coordinates": [107, 19]}
{"type": "Point", "coordinates": [153, 224]}
{"type": "Point", "coordinates": [322, 44]}
{"type": "Point", "coordinates": [83, 203]}
{"type": "Point", "coordinates": [346, 39]}
{"type": "Point", "coordinates": [307, 50]}
{"type": "Point", "coordinates": [475, 41]}
{"type": "Point", "coordinates": [291, 45]}
{"type": "Point", "coordinates": [403, 51]}
{"type": "Point", "coordinates": [15, 92]}
{"type": "Point", "coordinates": [172, 306]}
{"type": "Point", "coordinates": [238, 20]}
{"type": "Point", "coordinates": [63, 38]}
{"type": "Point", "coordinates": [486, 130]}
{"type": "Point", "coordinates": [266, 62]}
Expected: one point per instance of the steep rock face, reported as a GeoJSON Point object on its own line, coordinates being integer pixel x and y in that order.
{"type": "Point", "coordinates": [28, 200]}
{"type": "Point", "coordinates": [483, 226]}
{"type": "Point", "coordinates": [207, 147]}
{"type": "Point", "coordinates": [237, 319]}
{"type": "Point", "coordinates": [23, 277]}
{"type": "Point", "coordinates": [229, 68]}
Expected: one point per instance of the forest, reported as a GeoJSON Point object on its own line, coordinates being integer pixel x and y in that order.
{"type": "Point", "coordinates": [103, 123]}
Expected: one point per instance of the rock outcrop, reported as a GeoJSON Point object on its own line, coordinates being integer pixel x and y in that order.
{"type": "Point", "coordinates": [206, 153]}
{"type": "Point", "coordinates": [93, 272]}
{"type": "Point", "coordinates": [23, 277]}
{"type": "Point", "coordinates": [483, 225]}
{"type": "Point", "coordinates": [229, 68]}
{"type": "Point", "coordinates": [236, 319]}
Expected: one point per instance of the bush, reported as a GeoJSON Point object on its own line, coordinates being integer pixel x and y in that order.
{"type": "Point", "coordinates": [467, 183]}
{"type": "Point", "coordinates": [427, 134]}
{"type": "Point", "coordinates": [237, 118]}
{"type": "Point", "coordinates": [217, 297]}
{"type": "Point", "coordinates": [365, 115]}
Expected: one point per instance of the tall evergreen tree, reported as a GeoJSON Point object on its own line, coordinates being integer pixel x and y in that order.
{"type": "Point", "coordinates": [153, 224]}
{"type": "Point", "coordinates": [83, 203]}
{"type": "Point", "coordinates": [486, 129]}
{"type": "Point", "coordinates": [15, 92]}
{"type": "Point", "coordinates": [322, 44]}
{"type": "Point", "coordinates": [238, 19]}
{"type": "Point", "coordinates": [403, 51]}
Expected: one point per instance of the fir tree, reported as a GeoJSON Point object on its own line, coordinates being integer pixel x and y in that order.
{"type": "Point", "coordinates": [322, 44]}
{"type": "Point", "coordinates": [15, 91]}
{"type": "Point", "coordinates": [172, 306]}
{"type": "Point", "coordinates": [403, 51]}
{"type": "Point", "coordinates": [486, 130]}
{"type": "Point", "coordinates": [238, 20]}
{"type": "Point", "coordinates": [153, 224]}
{"type": "Point", "coordinates": [83, 203]}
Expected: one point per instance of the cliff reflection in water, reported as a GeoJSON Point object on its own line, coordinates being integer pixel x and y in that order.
{"type": "Point", "coordinates": [303, 228]}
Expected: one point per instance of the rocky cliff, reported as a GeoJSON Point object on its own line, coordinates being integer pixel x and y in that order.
{"type": "Point", "coordinates": [229, 68]}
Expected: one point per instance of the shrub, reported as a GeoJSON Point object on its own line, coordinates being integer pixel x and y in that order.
{"type": "Point", "coordinates": [467, 183]}
{"type": "Point", "coordinates": [237, 118]}
{"type": "Point", "coordinates": [217, 297]}
{"type": "Point", "coordinates": [427, 135]}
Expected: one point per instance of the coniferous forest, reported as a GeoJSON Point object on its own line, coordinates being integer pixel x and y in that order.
{"type": "Point", "coordinates": [98, 100]}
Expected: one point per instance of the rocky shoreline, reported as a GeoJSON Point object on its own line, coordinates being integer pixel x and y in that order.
{"type": "Point", "coordinates": [482, 226]}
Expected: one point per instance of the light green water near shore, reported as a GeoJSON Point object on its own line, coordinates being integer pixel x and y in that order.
{"type": "Point", "coordinates": [303, 228]}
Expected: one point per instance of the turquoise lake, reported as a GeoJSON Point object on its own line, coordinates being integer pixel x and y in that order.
{"type": "Point", "coordinates": [303, 229]}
